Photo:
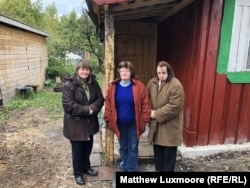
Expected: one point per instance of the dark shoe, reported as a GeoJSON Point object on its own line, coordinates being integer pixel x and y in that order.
{"type": "Point", "coordinates": [91, 172]}
{"type": "Point", "coordinates": [79, 180]}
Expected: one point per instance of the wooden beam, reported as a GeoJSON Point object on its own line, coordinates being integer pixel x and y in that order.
{"type": "Point", "coordinates": [139, 4]}
{"type": "Point", "coordinates": [176, 8]}
{"type": "Point", "coordinates": [109, 75]}
{"type": "Point", "coordinates": [104, 2]}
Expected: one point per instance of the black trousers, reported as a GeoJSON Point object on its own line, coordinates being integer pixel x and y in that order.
{"type": "Point", "coordinates": [81, 151]}
{"type": "Point", "coordinates": [165, 158]}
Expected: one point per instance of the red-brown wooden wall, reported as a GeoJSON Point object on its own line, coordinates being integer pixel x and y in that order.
{"type": "Point", "coordinates": [215, 111]}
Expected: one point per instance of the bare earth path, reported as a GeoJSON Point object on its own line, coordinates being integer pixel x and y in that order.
{"type": "Point", "coordinates": [36, 154]}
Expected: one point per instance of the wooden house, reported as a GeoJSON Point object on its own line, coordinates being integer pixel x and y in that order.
{"type": "Point", "coordinates": [23, 57]}
{"type": "Point", "coordinates": [207, 43]}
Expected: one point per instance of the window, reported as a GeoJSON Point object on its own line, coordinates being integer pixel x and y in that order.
{"type": "Point", "coordinates": [248, 59]}
{"type": "Point", "coordinates": [239, 58]}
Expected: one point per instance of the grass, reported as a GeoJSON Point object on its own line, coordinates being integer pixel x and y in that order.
{"type": "Point", "coordinates": [47, 99]}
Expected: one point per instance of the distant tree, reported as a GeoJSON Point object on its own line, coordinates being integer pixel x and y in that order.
{"type": "Point", "coordinates": [67, 32]}
{"type": "Point", "coordinates": [23, 11]}
{"type": "Point", "coordinates": [92, 43]}
{"type": "Point", "coordinates": [79, 34]}
{"type": "Point", "coordinates": [71, 32]}
{"type": "Point", "coordinates": [51, 11]}
{"type": "Point", "coordinates": [56, 47]}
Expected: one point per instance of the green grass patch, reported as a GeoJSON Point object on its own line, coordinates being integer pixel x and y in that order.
{"type": "Point", "coordinates": [47, 99]}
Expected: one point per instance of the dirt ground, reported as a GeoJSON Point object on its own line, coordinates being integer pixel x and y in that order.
{"type": "Point", "coordinates": [33, 153]}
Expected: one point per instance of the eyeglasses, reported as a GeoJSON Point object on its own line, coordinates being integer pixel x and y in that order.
{"type": "Point", "coordinates": [124, 71]}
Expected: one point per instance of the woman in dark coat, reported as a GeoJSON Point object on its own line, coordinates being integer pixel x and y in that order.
{"type": "Point", "coordinates": [82, 100]}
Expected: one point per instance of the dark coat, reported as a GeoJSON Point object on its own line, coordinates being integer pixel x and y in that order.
{"type": "Point", "coordinates": [78, 124]}
{"type": "Point", "coordinates": [166, 129]}
{"type": "Point", "coordinates": [142, 107]}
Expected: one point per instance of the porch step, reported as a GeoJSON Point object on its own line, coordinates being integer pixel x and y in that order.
{"type": "Point", "coordinates": [145, 149]}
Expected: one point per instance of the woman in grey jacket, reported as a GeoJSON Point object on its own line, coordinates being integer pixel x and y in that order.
{"type": "Point", "coordinates": [82, 100]}
{"type": "Point", "coordinates": [165, 129]}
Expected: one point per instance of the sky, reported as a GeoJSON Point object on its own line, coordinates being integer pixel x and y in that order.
{"type": "Point", "coordinates": [65, 6]}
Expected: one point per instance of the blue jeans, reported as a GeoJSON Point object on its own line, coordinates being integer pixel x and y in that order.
{"type": "Point", "coordinates": [128, 147]}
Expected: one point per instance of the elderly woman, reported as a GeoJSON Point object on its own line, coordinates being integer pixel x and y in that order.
{"type": "Point", "coordinates": [165, 129]}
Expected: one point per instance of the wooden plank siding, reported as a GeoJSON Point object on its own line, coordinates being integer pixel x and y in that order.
{"type": "Point", "coordinates": [193, 55]}
{"type": "Point", "coordinates": [243, 134]}
{"type": "Point", "coordinates": [23, 57]}
{"type": "Point", "coordinates": [217, 104]}
{"type": "Point", "coordinates": [215, 111]}
{"type": "Point", "coordinates": [232, 115]}
{"type": "Point", "coordinates": [136, 42]}
{"type": "Point", "coordinates": [214, 16]}
{"type": "Point", "coordinates": [217, 124]}
{"type": "Point", "coordinates": [179, 43]}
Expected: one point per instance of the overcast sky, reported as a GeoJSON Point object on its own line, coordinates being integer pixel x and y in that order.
{"type": "Point", "coordinates": [65, 6]}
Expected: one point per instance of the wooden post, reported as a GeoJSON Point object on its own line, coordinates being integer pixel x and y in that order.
{"type": "Point", "coordinates": [109, 75]}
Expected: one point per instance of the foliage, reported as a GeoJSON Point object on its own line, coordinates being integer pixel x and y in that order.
{"type": "Point", "coordinates": [91, 42]}
{"type": "Point", "coordinates": [71, 32]}
{"type": "Point", "coordinates": [68, 33]}
{"type": "Point", "coordinates": [100, 78]}
{"type": "Point", "coordinates": [51, 101]}
{"type": "Point", "coordinates": [225, 168]}
{"type": "Point", "coordinates": [94, 64]}
{"type": "Point", "coordinates": [24, 11]}
{"type": "Point", "coordinates": [58, 68]}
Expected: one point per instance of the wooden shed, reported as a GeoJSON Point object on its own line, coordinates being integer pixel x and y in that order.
{"type": "Point", "coordinates": [23, 56]}
{"type": "Point", "coordinates": [206, 42]}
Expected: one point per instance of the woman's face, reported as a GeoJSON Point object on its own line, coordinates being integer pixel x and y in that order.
{"type": "Point", "coordinates": [162, 73]}
{"type": "Point", "coordinates": [83, 72]}
{"type": "Point", "coordinates": [125, 73]}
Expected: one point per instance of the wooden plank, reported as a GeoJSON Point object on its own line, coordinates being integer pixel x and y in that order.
{"type": "Point", "coordinates": [138, 4]}
{"type": "Point", "coordinates": [109, 75]}
{"type": "Point", "coordinates": [138, 44]}
{"type": "Point", "coordinates": [193, 97]}
{"type": "Point", "coordinates": [210, 71]}
{"type": "Point", "coordinates": [217, 113]}
{"type": "Point", "coordinates": [175, 9]}
{"type": "Point", "coordinates": [244, 119]}
{"type": "Point", "coordinates": [233, 114]}
{"type": "Point", "coordinates": [145, 149]}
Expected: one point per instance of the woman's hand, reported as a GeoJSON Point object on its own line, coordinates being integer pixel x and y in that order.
{"type": "Point", "coordinates": [152, 114]}
{"type": "Point", "coordinates": [90, 111]}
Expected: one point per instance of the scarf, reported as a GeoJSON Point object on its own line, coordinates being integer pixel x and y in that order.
{"type": "Point", "coordinates": [86, 89]}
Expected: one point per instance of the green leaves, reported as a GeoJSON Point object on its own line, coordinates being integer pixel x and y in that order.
{"type": "Point", "coordinates": [68, 33]}
{"type": "Point", "coordinates": [23, 11]}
